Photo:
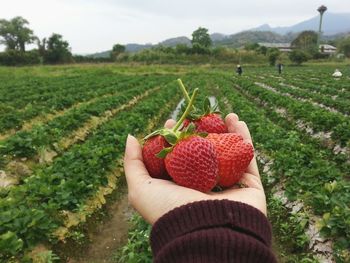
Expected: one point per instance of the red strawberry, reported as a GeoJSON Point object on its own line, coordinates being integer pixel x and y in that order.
{"type": "Point", "coordinates": [210, 123]}
{"type": "Point", "coordinates": [158, 144]}
{"type": "Point", "coordinates": [234, 156]}
{"type": "Point", "coordinates": [193, 163]}
{"type": "Point", "coordinates": [155, 165]}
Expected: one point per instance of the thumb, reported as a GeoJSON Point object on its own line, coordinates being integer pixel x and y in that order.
{"type": "Point", "coordinates": [135, 170]}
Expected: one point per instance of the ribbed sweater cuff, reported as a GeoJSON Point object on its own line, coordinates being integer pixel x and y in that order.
{"type": "Point", "coordinates": [203, 215]}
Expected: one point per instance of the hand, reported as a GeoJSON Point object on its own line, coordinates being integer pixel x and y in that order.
{"type": "Point", "coordinates": [153, 198]}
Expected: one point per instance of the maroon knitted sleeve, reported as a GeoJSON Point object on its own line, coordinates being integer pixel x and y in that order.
{"type": "Point", "coordinates": [212, 231]}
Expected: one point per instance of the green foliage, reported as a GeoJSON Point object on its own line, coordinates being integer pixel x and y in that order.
{"type": "Point", "coordinates": [201, 38]}
{"type": "Point", "coordinates": [57, 50]}
{"type": "Point", "coordinates": [344, 47]}
{"type": "Point", "coordinates": [117, 50]}
{"type": "Point", "coordinates": [32, 210]}
{"type": "Point", "coordinates": [18, 58]}
{"type": "Point", "coordinates": [308, 168]}
{"type": "Point", "coordinates": [137, 249]}
{"type": "Point", "coordinates": [251, 46]}
{"type": "Point", "coordinates": [15, 34]}
{"type": "Point", "coordinates": [306, 41]}
{"type": "Point", "coordinates": [298, 56]}
{"type": "Point", "coordinates": [200, 49]}
{"type": "Point", "coordinates": [182, 49]}
{"type": "Point", "coordinates": [301, 163]}
{"type": "Point", "coordinates": [10, 244]}
{"type": "Point", "coordinates": [262, 50]}
{"type": "Point", "coordinates": [273, 54]}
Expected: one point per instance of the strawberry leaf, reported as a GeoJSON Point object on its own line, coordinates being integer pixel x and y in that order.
{"type": "Point", "coordinates": [157, 132]}
{"type": "Point", "coordinates": [206, 106]}
{"type": "Point", "coordinates": [170, 138]}
{"type": "Point", "coordinates": [163, 153]}
{"type": "Point", "coordinates": [202, 134]}
{"type": "Point", "coordinates": [191, 128]}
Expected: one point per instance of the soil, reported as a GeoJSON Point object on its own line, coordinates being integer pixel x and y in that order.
{"type": "Point", "coordinates": [105, 233]}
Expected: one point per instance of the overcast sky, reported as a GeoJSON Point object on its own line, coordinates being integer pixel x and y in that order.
{"type": "Point", "coordinates": [95, 25]}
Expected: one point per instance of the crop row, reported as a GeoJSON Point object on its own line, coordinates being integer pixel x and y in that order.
{"type": "Point", "coordinates": [12, 118]}
{"type": "Point", "coordinates": [321, 82]}
{"type": "Point", "coordinates": [339, 103]}
{"type": "Point", "coordinates": [318, 118]}
{"type": "Point", "coordinates": [27, 143]}
{"type": "Point", "coordinates": [29, 212]}
{"type": "Point", "coordinates": [302, 167]}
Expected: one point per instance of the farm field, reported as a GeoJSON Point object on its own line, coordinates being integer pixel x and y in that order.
{"type": "Point", "coordinates": [62, 139]}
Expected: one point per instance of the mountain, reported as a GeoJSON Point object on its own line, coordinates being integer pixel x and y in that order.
{"type": "Point", "coordinates": [332, 24]}
{"type": "Point", "coordinates": [242, 38]}
{"type": "Point", "coordinates": [218, 37]}
{"type": "Point", "coordinates": [136, 47]}
{"type": "Point", "coordinates": [172, 42]}
{"type": "Point", "coordinates": [133, 47]}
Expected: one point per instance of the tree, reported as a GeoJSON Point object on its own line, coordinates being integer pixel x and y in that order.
{"type": "Point", "coordinates": [262, 50]}
{"type": "Point", "coordinates": [15, 35]}
{"type": "Point", "coordinates": [306, 41]}
{"type": "Point", "coordinates": [273, 54]}
{"type": "Point", "coordinates": [41, 46]}
{"type": "Point", "coordinates": [251, 46]}
{"type": "Point", "coordinates": [116, 50]}
{"type": "Point", "coordinates": [201, 37]}
{"type": "Point", "coordinates": [298, 56]}
{"type": "Point", "coordinates": [182, 49]}
{"type": "Point", "coordinates": [344, 46]}
{"type": "Point", "coordinates": [57, 50]}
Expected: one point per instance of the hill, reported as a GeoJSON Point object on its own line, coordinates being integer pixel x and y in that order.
{"type": "Point", "coordinates": [242, 38]}
{"type": "Point", "coordinates": [332, 24]}
{"type": "Point", "coordinates": [172, 42]}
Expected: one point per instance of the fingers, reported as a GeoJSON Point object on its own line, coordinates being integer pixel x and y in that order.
{"type": "Point", "coordinates": [169, 123]}
{"type": "Point", "coordinates": [135, 170]}
{"type": "Point", "coordinates": [235, 125]}
{"type": "Point", "coordinates": [230, 121]}
{"type": "Point", "coordinates": [251, 181]}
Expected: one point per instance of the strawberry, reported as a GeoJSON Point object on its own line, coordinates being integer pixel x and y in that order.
{"type": "Point", "coordinates": [158, 144]}
{"type": "Point", "coordinates": [206, 120]}
{"type": "Point", "coordinates": [234, 156]}
{"type": "Point", "coordinates": [193, 163]}
{"type": "Point", "coordinates": [210, 123]}
{"type": "Point", "coordinates": [155, 165]}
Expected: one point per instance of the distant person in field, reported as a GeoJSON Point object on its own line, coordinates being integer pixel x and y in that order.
{"type": "Point", "coordinates": [191, 226]}
{"type": "Point", "coordinates": [280, 68]}
{"type": "Point", "coordinates": [337, 73]}
{"type": "Point", "coordinates": [239, 70]}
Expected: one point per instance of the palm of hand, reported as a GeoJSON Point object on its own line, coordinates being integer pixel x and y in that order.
{"type": "Point", "coordinates": [153, 198]}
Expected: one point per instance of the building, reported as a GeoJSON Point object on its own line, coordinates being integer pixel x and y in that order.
{"type": "Point", "coordinates": [328, 49]}
{"type": "Point", "coordinates": [283, 47]}
{"type": "Point", "coordinates": [287, 47]}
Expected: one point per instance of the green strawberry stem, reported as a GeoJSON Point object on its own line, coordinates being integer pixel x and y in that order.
{"type": "Point", "coordinates": [187, 111]}
{"type": "Point", "coordinates": [171, 135]}
{"type": "Point", "coordinates": [184, 91]}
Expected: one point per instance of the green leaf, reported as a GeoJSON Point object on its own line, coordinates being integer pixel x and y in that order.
{"type": "Point", "coordinates": [191, 128]}
{"type": "Point", "coordinates": [170, 138]}
{"type": "Point", "coordinates": [206, 105]}
{"type": "Point", "coordinates": [203, 134]}
{"type": "Point", "coordinates": [157, 132]}
{"type": "Point", "coordinates": [163, 153]}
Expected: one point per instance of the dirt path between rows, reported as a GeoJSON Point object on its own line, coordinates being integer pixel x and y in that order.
{"type": "Point", "coordinates": [105, 237]}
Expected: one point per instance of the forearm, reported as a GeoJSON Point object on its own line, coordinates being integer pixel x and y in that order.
{"type": "Point", "coordinates": [212, 231]}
